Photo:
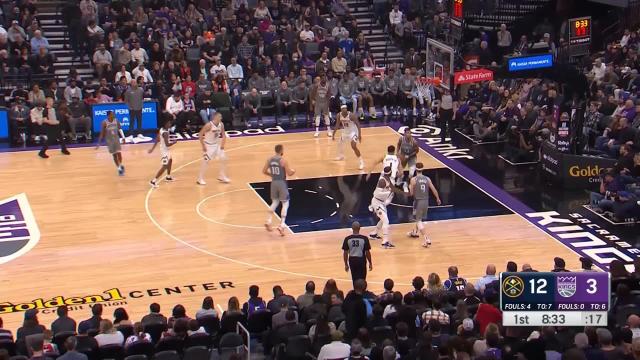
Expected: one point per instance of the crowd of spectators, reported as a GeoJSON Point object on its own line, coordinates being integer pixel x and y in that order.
{"type": "Point", "coordinates": [264, 55]}
{"type": "Point", "coordinates": [612, 127]}
{"type": "Point", "coordinates": [450, 319]}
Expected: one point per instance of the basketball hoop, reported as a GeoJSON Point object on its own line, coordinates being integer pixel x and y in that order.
{"type": "Point", "coordinates": [424, 84]}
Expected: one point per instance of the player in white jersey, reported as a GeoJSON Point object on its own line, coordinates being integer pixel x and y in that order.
{"type": "Point", "coordinates": [213, 139]}
{"type": "Point", "coordinates": [165, 154]}
{"type": "Point", "coordinates": [382, 196]}
{"type": "Point", "coordinates": [419, 188]}
{"type": "Point", "coordinates": [350, 132]}
{"type": "Point", "coordinates": [112, 132]}
{"type": "Point", "coordinates": [391, 160]}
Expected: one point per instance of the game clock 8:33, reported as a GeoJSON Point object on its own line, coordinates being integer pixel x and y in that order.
{"type": "Point", "coordinates": [580, 31]}
{"type": "Point", "coordinates": [569, 299]}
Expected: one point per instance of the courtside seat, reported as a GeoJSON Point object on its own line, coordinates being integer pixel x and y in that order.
{"type": "Point", "coordinates": [259, 322]}
{"type": "Point", "coordinates": [136, 357]}
{"type": "Point", "coordinates": [222, 103]}
{"type": "Point", "coordinates": [205, 340]}
{"type": "Point", "coordinates": [115, 352]}
{"type": "Point", "coordinates": [166, 355]}
{"type": "Point", "coordinates": [170, 343]}
{"type": "Point", "coordinates": [298, 348]}
{"type": "Point", "coordinates": [60, 338]}
{"type": "Point", "coordinates": [155, 330]}
{"type": "Point", "coordinates": [197, 353]}
{"type": "Point", "coordinates": [140, 348]}
{"type": "Point", "coordinates": [126, 330]}
{"type": "Point", "coordinates": [8, 345]}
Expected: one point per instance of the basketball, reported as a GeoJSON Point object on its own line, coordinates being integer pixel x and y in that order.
{"type": "Point", "coordinates": [437, 82]}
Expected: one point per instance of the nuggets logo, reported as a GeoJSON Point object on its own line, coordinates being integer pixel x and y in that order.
{"type": "Point", "coordinates": [512, 286]}
{"type": "Point", "coordinates": [19, 231]}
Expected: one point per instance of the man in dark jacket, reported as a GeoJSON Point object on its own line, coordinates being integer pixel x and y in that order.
{"type": "Point", "coordinates": [355, 309]}
{"type": "Point", "coordinates": [63, 322]}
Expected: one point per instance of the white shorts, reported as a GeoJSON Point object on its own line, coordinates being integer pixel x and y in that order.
{"type": "Point", "coordinates": [379, 207]}
{"type": "Point", "coordinates": [349, 136]}
{"type": "Point", "coordinates": [213, 152]}
{"type": "Point", "coordinates": [165, 156]}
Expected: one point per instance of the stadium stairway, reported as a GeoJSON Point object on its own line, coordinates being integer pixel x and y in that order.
{"type": "Point", "coordinates": [54, 29]}
{"type": "Point", "coordinates": [376, 34]}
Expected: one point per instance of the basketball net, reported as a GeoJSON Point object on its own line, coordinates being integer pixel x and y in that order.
{"type": "Point", "coordinates": [424, 85]}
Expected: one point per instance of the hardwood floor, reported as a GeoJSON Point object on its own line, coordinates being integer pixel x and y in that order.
{"type": "Point", "coordinates": [101, 232]}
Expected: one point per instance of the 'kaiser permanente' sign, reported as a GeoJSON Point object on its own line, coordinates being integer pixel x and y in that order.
{"type": "Point", "coordinates": [121, 111]}
{"type": "Point", "coordinates": [531, 62]}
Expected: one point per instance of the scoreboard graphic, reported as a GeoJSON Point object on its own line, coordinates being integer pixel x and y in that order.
{"type": "Point", "coordinates": [549, 298]}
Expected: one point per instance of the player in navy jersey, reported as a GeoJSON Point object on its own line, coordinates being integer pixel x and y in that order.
{"type": "Point", "coordinates": [356, 253]}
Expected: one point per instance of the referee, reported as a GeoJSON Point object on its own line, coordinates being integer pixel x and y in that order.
{"type": "Point", "coordinates": [356, 253]}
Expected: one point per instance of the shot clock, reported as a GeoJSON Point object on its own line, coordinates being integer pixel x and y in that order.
{"type": "Point", "coordinates": [457, 13]}
{"type": "Point", "coordinates": [580, 30]}
{"type": "Point", "coordinates": [560, 299]}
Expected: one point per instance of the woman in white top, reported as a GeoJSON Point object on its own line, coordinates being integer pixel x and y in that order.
{"type": "Point", "coordinates": [207, 308]}
{"type": "Point", "coordinates": [108, 334]}
{"type": "Point", "coordinates": [396, 302]}
{"type": "Point", "coordinates": [138, 335]}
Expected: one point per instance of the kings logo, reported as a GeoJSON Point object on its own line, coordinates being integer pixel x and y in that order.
{"type": "Point", "coordinates": [566, 286]}
{"type": "Point", "coordinates": [19, 231]}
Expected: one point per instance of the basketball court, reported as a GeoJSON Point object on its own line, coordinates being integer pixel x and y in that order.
{"type": "Point", "coordinates": [113, 239]}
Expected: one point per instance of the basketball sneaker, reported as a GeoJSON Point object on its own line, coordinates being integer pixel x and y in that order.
{"type": "Point", "coordinates": [224, 180]}
{"type": "Point", "coordinates": [122, 167]}
{"type": "Point", "coordinates": [413, 234]}
{"type": "Point", "coordinates": [201, 182]}
{"type": "Point", "coordinates": [339, 158]}
{"type": "Point", "coordinates": [316, 134]}
{"type": "Point", "coordinates": [329, 133]}
{"type": "Point", "coordinates": [268, 226]}
{"type": "Point", "coordinates": [427, 242]}
{"type": "Point", "coordinates": [120, 171]}
{"type": "Point", "coordinates": [280, 230]}
{"type": "Point", "coordinates": [169, 178]}
{"type": "Point", "coordinates": [154, 184]}
{"type": "Point", "coordinates": [361, 166]}
{"type": "Point", "coordinates": [385, 111]}
{"type": "Point", "coordinates": [388, 245]}
{"type": "Point", "coordinates": [375, 236]}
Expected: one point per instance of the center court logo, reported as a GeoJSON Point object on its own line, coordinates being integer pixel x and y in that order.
{"type": "Point", "coordinates": [431, 136]}
{"type": "Point", "coordinates": [111, 297]}
{"type": "Point", "coordinates": [19, 231]}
